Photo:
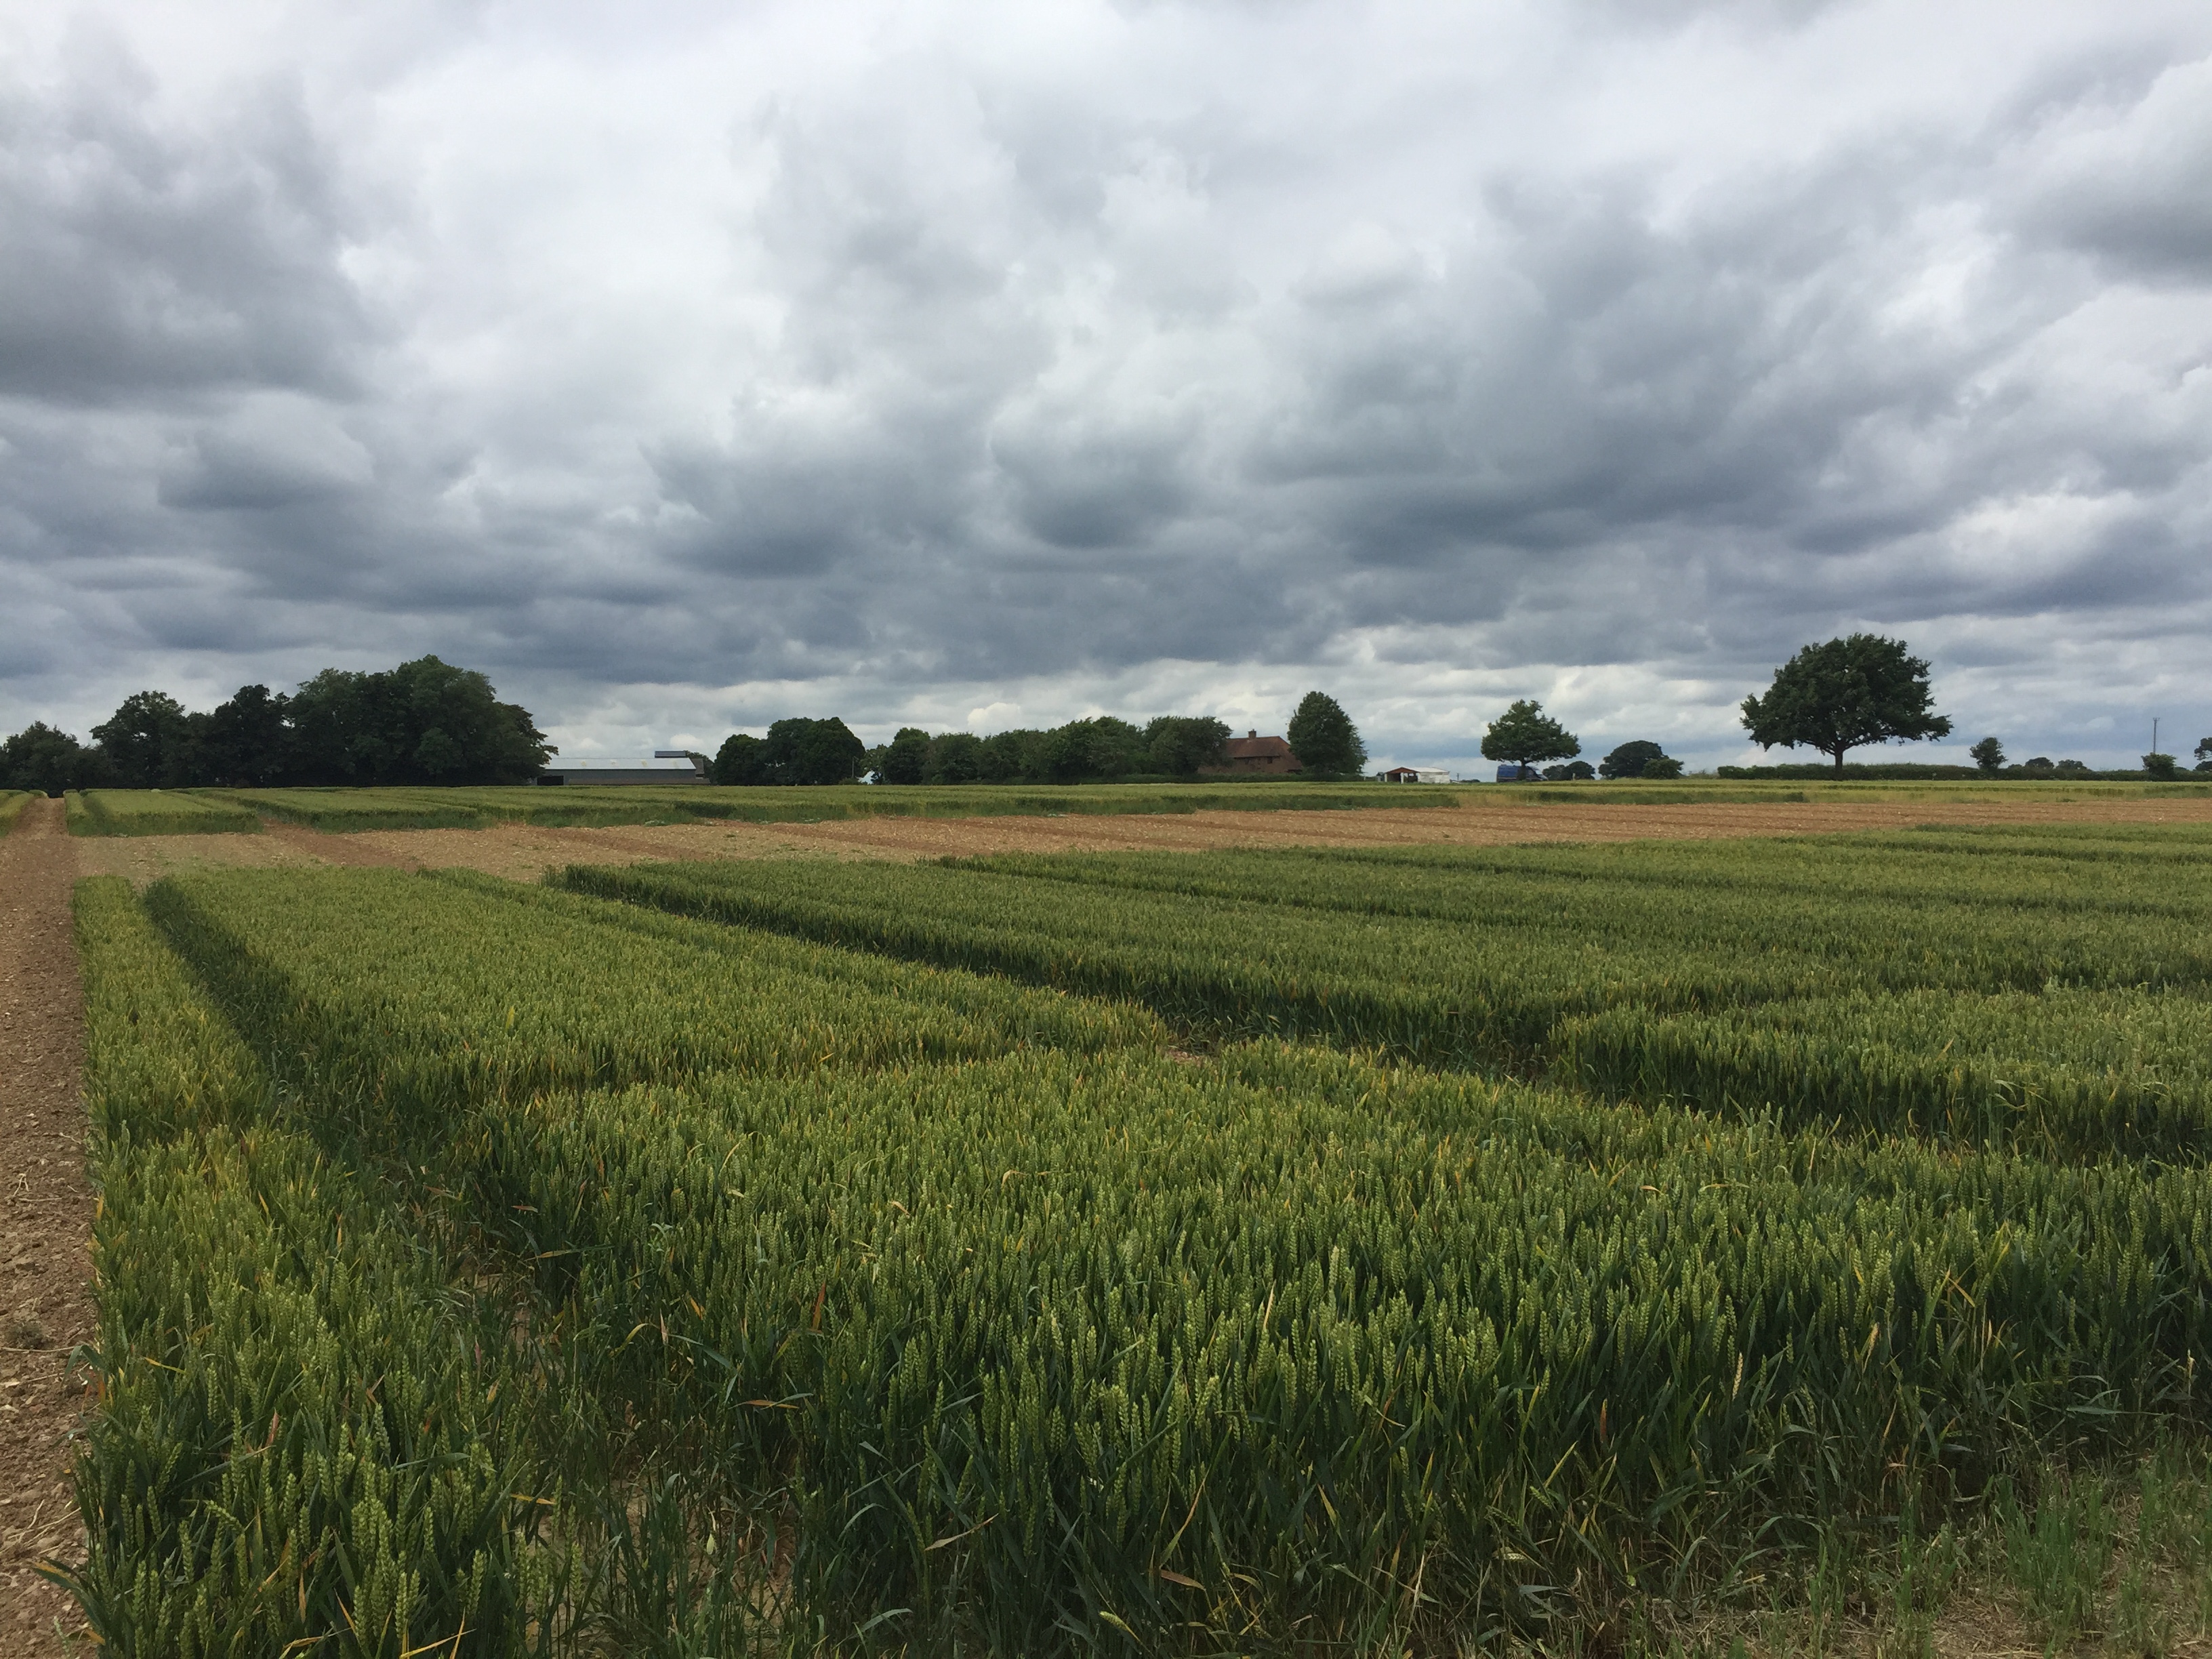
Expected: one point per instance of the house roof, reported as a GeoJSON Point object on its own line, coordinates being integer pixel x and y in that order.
{"type": "Point", "coordinates": [1255, 747]}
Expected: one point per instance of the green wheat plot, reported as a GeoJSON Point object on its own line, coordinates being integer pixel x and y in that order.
{"type": "Point", "coordinates": [851, 1258]}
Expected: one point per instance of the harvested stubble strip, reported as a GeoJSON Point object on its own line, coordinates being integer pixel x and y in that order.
{"type": "Point", "coordinates": [1223, 1351]}
{"type": "Point", "coordinates": [304, 1429]}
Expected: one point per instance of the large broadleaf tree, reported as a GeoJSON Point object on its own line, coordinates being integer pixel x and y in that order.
{"type": "Point", "coordinates": [1837, 696]}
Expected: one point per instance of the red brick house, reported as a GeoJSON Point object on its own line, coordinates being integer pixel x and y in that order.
{"type": "Point", "coordinates": [1254, 753]}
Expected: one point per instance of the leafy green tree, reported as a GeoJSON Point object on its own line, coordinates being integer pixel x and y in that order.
{"type": "Point", "coordinates": [1015, 756]}
{"type": "Point", "coordinates": [1572, 772]}
{"type": "Point", "coordinates": [1988, 754]}
{"type": "Point", "coordinates": [2204, 756]}
{"type": "Point", "coordinates": [954, 757]}
{"type": "Point", "coordinates": [906, 758]}
{"type": "Point", "coordinates": [1635, 760]}
{"type": "Point", "coordinates": [804, 751]}
{"type": "Point", "coordinates": [741, 760]}
{"type": "Point", "coordinates": [146, 740]}
{"type": "Point", "coordinates": [2161, 766]}
{"type": "Point", "coordinates": [1181, 746]}
{"type": "Point", "coordinates": [1067, 754]}
{"type": "Point", "coordinates": [245, 743]}
{"type": "Point", "coordinates": [461, 732]}
{"type": "Point", "coordinates": [1323, 738]}
{"type": "Point", "coordinates": [1089, 752]}
{"type": "Point", "coordinates": [425, 721]}
{"type": "Point", "coordinates": [1835, 697]}
{"type": "Point", "coordinates": [50, 762]}
{"type": "Point", "coordinates": [335, 730]}
{"type": "Point", "coordinates": [1526, 734]}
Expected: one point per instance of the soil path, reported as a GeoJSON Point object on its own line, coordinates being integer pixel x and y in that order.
{"type": "Point", "coordinates": [526, 851]}
{"type": "Point", "coordinates": [330, 849]}
{"type": "Point", "coordinates": [45, 1229]}
{"type": "Point", "coordinates": [142, 859]}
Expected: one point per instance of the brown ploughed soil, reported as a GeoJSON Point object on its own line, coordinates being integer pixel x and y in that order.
{"type": "Point", "coordinates": [523, 851]}
{"type": "Point", "coordinates": [45, 1228]}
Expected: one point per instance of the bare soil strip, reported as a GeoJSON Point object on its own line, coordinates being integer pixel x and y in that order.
{"type": "Point", "coordinates": [45, 1228]}
{"type": "Point", "coordinates": [142, 859]}
{"type": "Point", "coordinates": [523, 852]}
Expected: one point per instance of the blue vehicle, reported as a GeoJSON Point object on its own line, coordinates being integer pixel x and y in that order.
{"type": "Point", "coordinates": [1512, 772]}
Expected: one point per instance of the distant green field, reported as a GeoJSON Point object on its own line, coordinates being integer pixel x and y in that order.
{"type": "Point", "coordinates": [156, 812]}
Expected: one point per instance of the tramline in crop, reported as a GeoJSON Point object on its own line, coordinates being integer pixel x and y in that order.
{"type": "Point", "coordinates": [1990, 999]}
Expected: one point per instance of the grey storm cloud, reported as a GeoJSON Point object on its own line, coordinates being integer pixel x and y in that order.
{"type": "Point", "coordinates": [142, 260]}
{"type": "Point", "coordinates": [1017, 362]}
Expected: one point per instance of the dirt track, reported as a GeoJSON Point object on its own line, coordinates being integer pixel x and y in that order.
{"type": "Point", "coordinates": [46, 1225]}
{"type": "Point", "coordinates": [523, 852]}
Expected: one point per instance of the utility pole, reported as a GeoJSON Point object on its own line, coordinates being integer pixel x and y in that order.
{"type": "Point", "coordinates": [2154, 735]}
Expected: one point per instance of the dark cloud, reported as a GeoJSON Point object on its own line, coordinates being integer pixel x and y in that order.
{"type": "Point", "coordinates": [1140, 357]}
{"type": "Point", "coordinates": [2124, 181]}
{"type": "Point", "coordinates": [144, 258]}
{"type": "Point", "coordinates": [272, 452]}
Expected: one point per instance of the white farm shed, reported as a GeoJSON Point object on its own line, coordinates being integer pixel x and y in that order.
{"type": "Point", "coordinates": [665, 766]}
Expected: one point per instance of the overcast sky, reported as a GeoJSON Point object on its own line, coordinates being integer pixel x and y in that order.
{"type": "Point", "coordinates": [687, 366]}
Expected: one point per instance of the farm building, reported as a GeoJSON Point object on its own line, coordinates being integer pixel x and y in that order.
{"type": "Point", "coordinates": [666, 766]}
{"type": "Point", "coordinates": [1254, 753]}
{"type": "Point", "coordinates": [1414, 774]}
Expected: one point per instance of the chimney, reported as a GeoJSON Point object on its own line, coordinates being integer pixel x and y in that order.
{"type": "Point", "coordinates": [1252, 733]}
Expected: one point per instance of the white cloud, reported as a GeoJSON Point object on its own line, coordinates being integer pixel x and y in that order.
{"type": "Point", "coordinates": [969, 365]}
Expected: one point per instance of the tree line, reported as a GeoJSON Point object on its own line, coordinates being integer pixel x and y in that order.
{"type": "Point", "coordinates": [1989, 758]}
{"type": "Point", "coordinates": [1100, 749]}
{"type": "Point", "coordinates": [429, 722]}
{"type": "Point", "coordinates": [422, 722]}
